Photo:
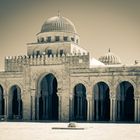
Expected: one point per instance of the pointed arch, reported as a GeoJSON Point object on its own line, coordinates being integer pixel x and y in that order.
{"type": "Point", "coordinates": [101, 102]}
{"type": "Point", "coordinates": [47, 98]}
{"type": "Point", "coordinates": [125, 101]}
{"type": "Point", "coordinates": [80, 102]}
{"type": "Point", "coordinates": [15, 103]}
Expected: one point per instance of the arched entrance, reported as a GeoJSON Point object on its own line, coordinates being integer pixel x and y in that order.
{"type": "Point", "coordinates": [80, 102]}
{"type": "Point", "coordinates": [1, 102]}
{"type": "Point", "coordinates": [48, 99]}
{"type": "Point", "coordinates": [15, 103]}
{"type": "Point", "coordinates": [125, 101]}
{"type": "Point", "coordinates": [101, 102]}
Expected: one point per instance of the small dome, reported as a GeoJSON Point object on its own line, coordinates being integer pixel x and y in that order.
{"type": "Point", "coordinates": [110, 59]}
{"type": "Point", "coordinates": [58, 24]}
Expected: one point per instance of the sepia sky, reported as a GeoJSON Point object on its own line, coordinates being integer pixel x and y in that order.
{"type": "Point", "coordinates": [101, 24]}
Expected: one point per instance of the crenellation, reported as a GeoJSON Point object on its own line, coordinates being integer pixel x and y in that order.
{"type": "Point", "coordinates": [16, 63]}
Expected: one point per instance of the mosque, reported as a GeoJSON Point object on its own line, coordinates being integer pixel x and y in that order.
{"type": "Point", "coordinates": [59, 81]}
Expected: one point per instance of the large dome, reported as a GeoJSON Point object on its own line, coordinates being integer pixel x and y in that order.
{"type": "Point", "coordinates": [110, 59]}
{"type": "Point", "coordinates": [58, 24]}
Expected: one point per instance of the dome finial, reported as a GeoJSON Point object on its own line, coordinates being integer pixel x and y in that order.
{"type": "Point", "coordinates": [109, 50]}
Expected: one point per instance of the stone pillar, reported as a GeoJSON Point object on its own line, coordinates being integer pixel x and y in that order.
{"type": "Point", "coordinates": [5, 107]}
{"type": "Point", "coordinates": [60, 107]}
{"type": "Point", "coordinates": [33, 104]}
{"type": "Point", "coordinates": [93, 108]}
{"type": "Point", "coordinates": [89, 108]}
{"type": "Point", "coordinates": [137, 111]}
{"type": "Point", "coordinates": [37, 108]}
{"type": "Point", "coordinates": [71, 108]}
{"type": "Point", "coordinates": [112, 109]}
{"type": "Point", "coordinates": [97, 110]}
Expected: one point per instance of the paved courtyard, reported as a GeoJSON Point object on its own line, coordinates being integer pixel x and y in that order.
{"type": "Point", "coordinates": [44, 131]}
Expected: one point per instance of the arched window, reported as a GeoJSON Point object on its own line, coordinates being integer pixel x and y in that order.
{"type": "Point", "coordinates": [49, 39]}
{"type": "Point", "coordinates": [57, 38]}
{"type": "Point", "coordinates": [49, 52]}
{"type": "Point", "coordinates": [61, 52]}
{"type": "Point", "coordinates": [65, 38]}
{"type": "Point", "coordinates": [42, 39]}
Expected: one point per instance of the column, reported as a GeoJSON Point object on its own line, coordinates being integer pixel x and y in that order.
{"type": "Point", "coordinates": [139, 109]}
{"type": "Point", "coordinates": [37, 109]}
{"type": "Point", "coordinates": [33, 104]}
{"type": "Point", "coordinates": [112, 109]}
{"type": "Point", "coordinates": [89, 108]}
{"type": "Point", "coordinates": [59, 109]}
{"type": "Point", "coordinates": [71, 113]}
{"type": "Point", "coordinates": [97, 109]}
{"type": "Point", "coordinates": [5, 107]}
{"type": "Point", "coordinates": [136, 111]}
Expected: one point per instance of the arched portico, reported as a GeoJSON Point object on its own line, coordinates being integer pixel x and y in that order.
{"type": "Point", "coordinates": [15, 103]}
{"type": "Point", "coordinates": [80, 102]}
{"type": "Point", "coordinates": [125, 102]}
{"type": "Point", "coordinates": [47, 98]}
{"type": "Point", "coordinates": [101, 102]}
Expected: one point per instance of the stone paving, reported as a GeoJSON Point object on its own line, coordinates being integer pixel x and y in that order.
{"type": "Point", "coordinates": [91, 131]}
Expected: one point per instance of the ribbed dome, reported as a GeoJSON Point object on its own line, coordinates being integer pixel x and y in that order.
{"type": "Point", "coordinates": [58, 24]}
{"type": "Point", "coordinates": [110, 59]}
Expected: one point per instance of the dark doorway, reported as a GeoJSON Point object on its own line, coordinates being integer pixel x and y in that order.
{"type": "Point", "coordinates": [101, 102]}
{"type": "Point", "coordinates": [16, 107]}
{"type": "Point", "coordinates": [80, 102]}
{"type": "Point", "coordinates": [125, 102]}
{"type": "Point", "coordinates": [48, 101]}
{"type": "Point", "coordinates": [1, 101]}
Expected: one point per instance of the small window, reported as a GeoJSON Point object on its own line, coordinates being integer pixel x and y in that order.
{"type": "Point", "coordinates": [38, 40]}
{"type": "Point", "coordinates": [37, 53]}
{"type": "Point", "coordinates": [48, 39]}
{"type": "Point", "coordinates": [57, 38]}
{"type": "Point", "coordinates": [42, 39]}
{"type": "Point", "coordinates": [49, 52]}
{"type": "Point", "coordinates": [61, 52]}
{"type": "Point", "coordinates": [72, 39]}
{"type": "Point", "coordinates": [65, 38]}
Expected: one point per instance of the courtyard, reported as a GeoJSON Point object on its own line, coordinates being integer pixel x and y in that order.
{"type": "Point", "coordinates": [91, 131]}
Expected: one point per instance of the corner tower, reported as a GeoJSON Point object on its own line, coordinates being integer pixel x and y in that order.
{"type": "Point", "coordinates": [58, 36]}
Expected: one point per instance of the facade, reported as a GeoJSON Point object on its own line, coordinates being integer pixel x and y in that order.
{"type": "Point", "coordinates": [58, 80]}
